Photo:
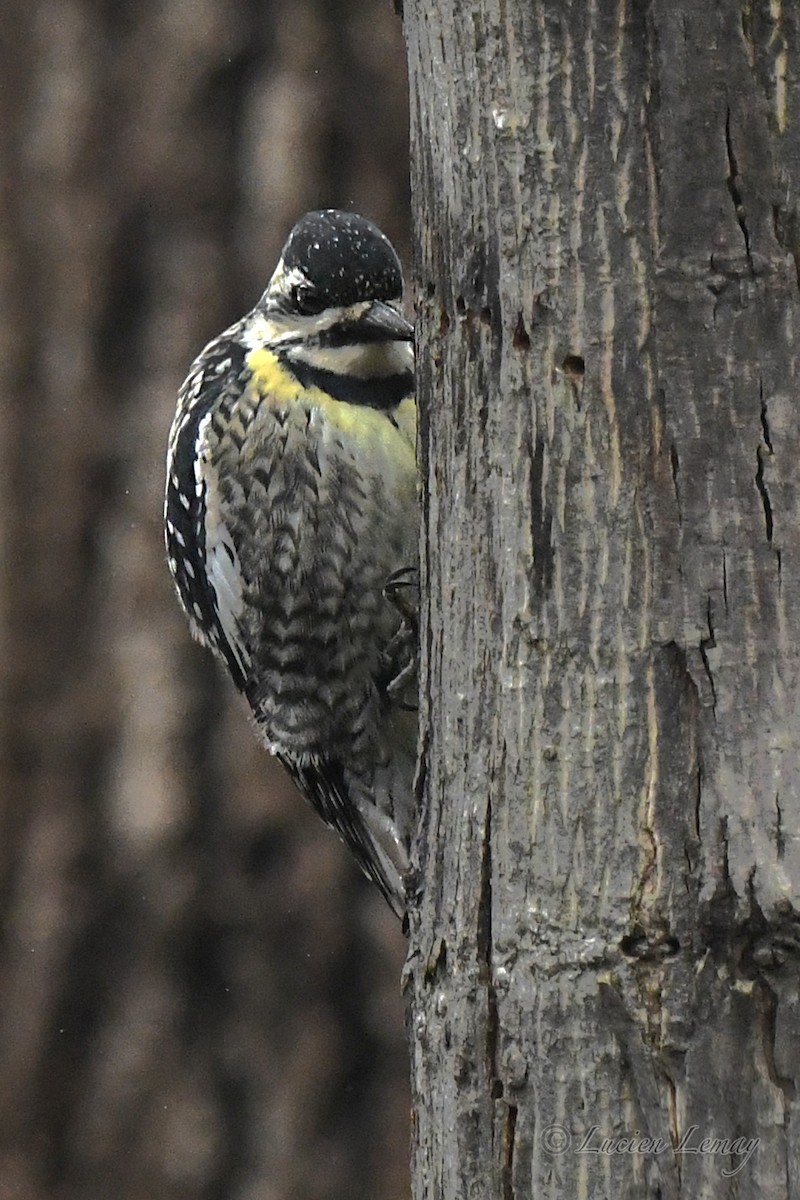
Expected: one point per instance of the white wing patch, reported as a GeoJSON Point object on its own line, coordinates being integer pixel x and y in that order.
{"type": "Point", "coordinates": [223, 569]}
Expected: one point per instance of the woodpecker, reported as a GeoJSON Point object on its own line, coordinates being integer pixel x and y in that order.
{"type": "Point", "coordinates": [292, 510]}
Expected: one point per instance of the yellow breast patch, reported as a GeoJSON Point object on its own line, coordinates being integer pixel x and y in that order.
{"type": "Point", "coordinates": [275, 384]}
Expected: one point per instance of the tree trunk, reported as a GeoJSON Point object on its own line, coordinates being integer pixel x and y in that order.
{"type": "Point", "coordinates": [198, 995]}
{"type": "Point", "coordinates": [609, 330]}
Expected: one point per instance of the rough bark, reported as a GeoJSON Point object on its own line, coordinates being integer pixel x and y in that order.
{"type": "Point", "coordinates": [607, 941]}
{"type": "Point", "coordinates": [198, 996]}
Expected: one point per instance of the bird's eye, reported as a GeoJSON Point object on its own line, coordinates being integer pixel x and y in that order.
{"type": "Point", "coordinates": [305, 300]}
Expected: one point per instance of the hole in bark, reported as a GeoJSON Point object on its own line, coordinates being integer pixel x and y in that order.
{"type": "Point", "coordinates": [520, 340]}
{"type": "Point", "coordinates": [461, 305]}
{"type": "Point", "coordinates": [574, 365]}
{"type": "Point", "coordinates": [632, 944]}
{"type": "Point", "coordinates": [648, 948]}
{"type": "Point", "coordinates": [430, 289]}
{"type": "Point", "coordinates": [444, 323]}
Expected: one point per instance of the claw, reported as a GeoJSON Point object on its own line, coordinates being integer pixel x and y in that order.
{"type": "Point", "coordinates": [397, 589]}
{"type": "Point", "coordinates": [404, 679]}
{"type": "Point", "coordinates": [402, 591]}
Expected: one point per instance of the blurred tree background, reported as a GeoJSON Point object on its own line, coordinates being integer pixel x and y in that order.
{"type": "Point", "coordinates": [199, 996]}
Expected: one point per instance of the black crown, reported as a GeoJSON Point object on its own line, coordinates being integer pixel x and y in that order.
{"type": "Point", "coordinates": [344, 258]}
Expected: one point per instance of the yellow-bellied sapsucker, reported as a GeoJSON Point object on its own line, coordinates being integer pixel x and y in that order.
{"type": "Point", "coordinates": [291, 503]}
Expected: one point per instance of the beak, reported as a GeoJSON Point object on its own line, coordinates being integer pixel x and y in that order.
{"type": "Point", "coordinates": [381, 323]}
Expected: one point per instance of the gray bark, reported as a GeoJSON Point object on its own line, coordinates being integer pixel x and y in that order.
{"type": "Point", "coordinates": [609, 323]}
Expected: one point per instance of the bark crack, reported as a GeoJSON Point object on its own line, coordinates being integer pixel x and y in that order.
{"type": "Point", "coordinates": [541, 518]}
{"type": "Point", "coordinates": [706, 644]}
{"type": "Point", "coordinates": [780, 840]}
{"type": "Point", "coordinates": [733, 187]}
{"type": "Point", "coordinates": [676, 466]}
{"type": "Point", "coordinates": [484, 947]}
{"type": "Point", "coordinates": [726, 866]}
{"type": "Point", "coordinates": [505, 1150]}
{"type": "Point", "coordinates": [766, 448]}
{"type": "Point", "coordinates": [764, 494]}
{"type": "Point", "coordinates": [509, 1136]}
{"type": "Point", "coordinates": [764, 417]}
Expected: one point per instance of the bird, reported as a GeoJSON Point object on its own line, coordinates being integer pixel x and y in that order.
{"type": "Point", "coordinates": [292, 527]}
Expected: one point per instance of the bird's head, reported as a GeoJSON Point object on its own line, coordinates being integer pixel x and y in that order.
{"type": "Point", "coordinates": [339, 280]}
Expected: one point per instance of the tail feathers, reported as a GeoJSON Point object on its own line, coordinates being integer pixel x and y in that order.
{"type": "Point", "coordinates": [370, 834]}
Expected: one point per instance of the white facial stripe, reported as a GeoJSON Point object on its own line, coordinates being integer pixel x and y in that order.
{"type": "Point", "coordinates": [276, 329]}
{"type": "Point", "coordinates": [369, 360]}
